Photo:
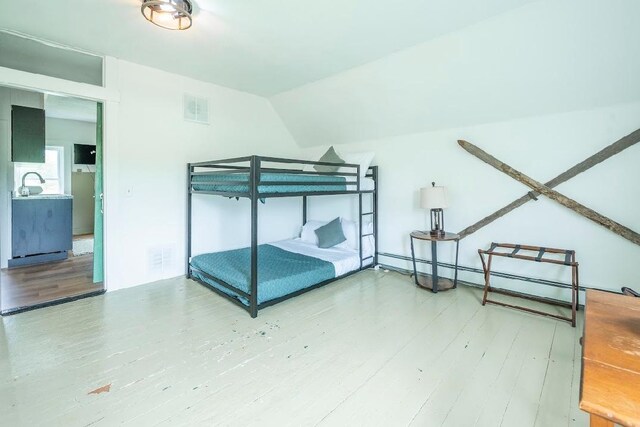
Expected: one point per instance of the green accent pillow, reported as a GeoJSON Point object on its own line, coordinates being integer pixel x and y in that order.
{"type": "Point", "coordinates": [332, 157]}
{"type": "Point", "coordinates": [330, 235]}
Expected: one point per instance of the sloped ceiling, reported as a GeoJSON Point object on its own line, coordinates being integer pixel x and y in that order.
{"type": "Point", "coordinates": [546, 57]}
{"type": "Point", "coordinates": [259, 46]}
{"type": "Point", "coordinates": [355, 70]}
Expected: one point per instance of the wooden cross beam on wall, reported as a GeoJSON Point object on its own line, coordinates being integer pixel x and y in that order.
{"type": "Point", "coordinates": [546, 189]}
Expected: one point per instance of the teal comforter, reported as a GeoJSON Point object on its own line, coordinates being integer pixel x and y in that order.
{"type": "Point", "coordinates": [280, 272]}
{"type": "Point", "coordinates": [334, 183]}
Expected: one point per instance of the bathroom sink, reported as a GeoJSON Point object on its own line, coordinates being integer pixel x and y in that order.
{"type": "Point", "coordinates": [34, 190]}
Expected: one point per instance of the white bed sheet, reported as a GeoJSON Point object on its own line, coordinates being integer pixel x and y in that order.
{"type": "Point", "coordinates": [343, 260]}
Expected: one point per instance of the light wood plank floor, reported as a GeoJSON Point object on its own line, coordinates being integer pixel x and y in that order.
{"type": "Point", "coordinates": [42, 283]}
{"type": "Point", "coordinates": [369, 350]}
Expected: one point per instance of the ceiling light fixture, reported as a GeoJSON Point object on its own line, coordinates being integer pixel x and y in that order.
{"type": "Point", "coordinates": [169, 14]}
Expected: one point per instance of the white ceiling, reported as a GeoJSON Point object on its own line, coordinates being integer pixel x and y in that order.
{"type": "Point", "coordinates": [64, 107]}
{"type": "Point", "coordinates": [549, 57]}
{"type": "Point", "coordinates": [259, 46]}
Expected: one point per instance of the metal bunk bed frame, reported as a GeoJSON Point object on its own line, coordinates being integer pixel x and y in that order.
{"type": "Point", "coordinates": [255, 169]}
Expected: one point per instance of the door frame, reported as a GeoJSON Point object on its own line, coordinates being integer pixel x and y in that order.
{"type": "Point", "coordinates": [109, 96]}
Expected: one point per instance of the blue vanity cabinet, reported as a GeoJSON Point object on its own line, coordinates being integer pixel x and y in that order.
{"type": "Point", "coordinates": [41, 226]}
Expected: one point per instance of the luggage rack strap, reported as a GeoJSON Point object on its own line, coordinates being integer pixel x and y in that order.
{"type": "Point", "coordinates": [568, 255]}
{"type": "Point", "coordinates": [515, 251]}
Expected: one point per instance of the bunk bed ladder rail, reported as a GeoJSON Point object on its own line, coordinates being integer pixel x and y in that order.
{"type": "Point", "coordinates": [374, 220]}
{"type": "Point", "coordinates": [360, 228]}
{"type": "Point", "coordinates": [374, 171]}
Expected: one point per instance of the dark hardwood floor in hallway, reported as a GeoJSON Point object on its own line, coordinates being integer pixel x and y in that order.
{"type": "Point", "coordinates": [38, 284]}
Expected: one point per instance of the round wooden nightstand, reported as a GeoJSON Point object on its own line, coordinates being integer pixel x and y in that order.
{"type": "Point", "coordinates": [433, 282]}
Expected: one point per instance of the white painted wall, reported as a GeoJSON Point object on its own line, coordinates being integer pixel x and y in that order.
{"type": "Point", "coordinates": [542, 147]}
{"type": "Point", "coordinates": [519, 73]}
{"type": "Point", "coordinates": [541, 87]}
{"type": "Point", "coordinates": [154, 144]}
{"type": "Point", "coordinates": [65, 133]}
{"type": "Point", "coordinates": [147, 147]}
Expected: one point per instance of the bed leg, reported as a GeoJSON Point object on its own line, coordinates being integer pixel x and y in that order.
{"type": "Point", "coordinates": [189, 208]}
{"type": "Point", "coordinates": [255, 177]}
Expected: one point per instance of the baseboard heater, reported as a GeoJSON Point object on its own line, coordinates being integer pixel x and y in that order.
{"type": "Point", "coordinates": [481, 273]}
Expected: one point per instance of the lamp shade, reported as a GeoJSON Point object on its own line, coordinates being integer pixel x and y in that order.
{"type": "Point", "coordinates": [433, 197]}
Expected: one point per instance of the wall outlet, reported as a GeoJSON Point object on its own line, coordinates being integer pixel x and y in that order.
{"type": "Point", "coordinates": [128, 192]}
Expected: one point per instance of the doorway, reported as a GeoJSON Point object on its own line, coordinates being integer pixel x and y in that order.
{"type": "Point", "coordinates": [51, 231]}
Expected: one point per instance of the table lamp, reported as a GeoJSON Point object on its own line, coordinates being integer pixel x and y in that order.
{"type": "Point", "coordinates": [435, 199]}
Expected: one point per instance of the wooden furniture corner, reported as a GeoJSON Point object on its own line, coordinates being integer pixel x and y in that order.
{"type": "Point", "coordinates": [610, 383]}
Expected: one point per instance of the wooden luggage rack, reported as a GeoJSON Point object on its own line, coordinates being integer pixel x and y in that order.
{"type": "Point", "coordinates": [569, 260]}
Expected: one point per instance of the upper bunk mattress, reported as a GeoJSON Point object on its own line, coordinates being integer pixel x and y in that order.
{"type": "Point", "coordinates": [300, 181]}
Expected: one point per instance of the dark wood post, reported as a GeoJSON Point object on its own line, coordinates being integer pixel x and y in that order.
{"type": "Point", "coordinates": [565, 201]}
{"type": "Point", "coordinates": [599, 157]}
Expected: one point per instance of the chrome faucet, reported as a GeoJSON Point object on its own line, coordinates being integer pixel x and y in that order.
{"type": "Point", "coordinates": [24, 189]}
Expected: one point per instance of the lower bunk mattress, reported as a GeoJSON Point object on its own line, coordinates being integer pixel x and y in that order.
{"type": "Point", "coordinates": [283, 268]}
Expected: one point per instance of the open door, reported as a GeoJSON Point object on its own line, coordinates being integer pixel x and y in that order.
{"type": "Point", "coordinates": [53, 242]}
{"type": "Point", "coordinates": [98, 248]}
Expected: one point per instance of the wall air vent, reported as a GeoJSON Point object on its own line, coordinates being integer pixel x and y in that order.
{"type": "Point", "coordinates": [196, 109]}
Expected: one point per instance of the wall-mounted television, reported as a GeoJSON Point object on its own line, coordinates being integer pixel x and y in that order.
{"type": "Point", "coordinates": [84, 154]}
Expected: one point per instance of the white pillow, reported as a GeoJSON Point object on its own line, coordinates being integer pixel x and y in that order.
{"type": "Point", "coordinates": [308, 233]}
{"type": "Point", "coordinates": [349, 229]}
{"type": "Point", "coordinates": [362, 159]}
